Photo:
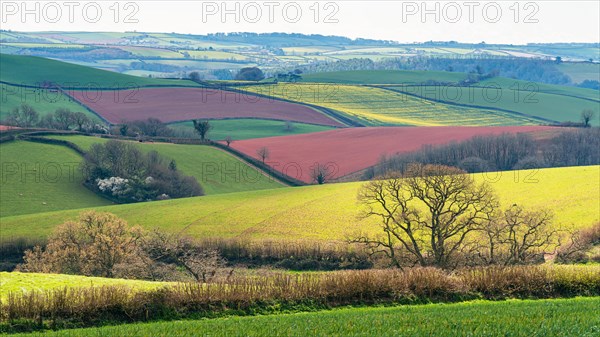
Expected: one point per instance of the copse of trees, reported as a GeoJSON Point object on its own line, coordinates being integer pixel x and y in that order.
{"type": "Point", "coordinates": [250, 74]}
{"type": "Point", "coordinates": [24, 116]}
{"type": "Point", "coordinates": [502, 152]}
{"type": "Point", "coordinates": [123, 173]}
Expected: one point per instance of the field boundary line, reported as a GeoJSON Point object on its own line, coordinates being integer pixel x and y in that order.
{"type": "Point", "coordinates": [541, 119]}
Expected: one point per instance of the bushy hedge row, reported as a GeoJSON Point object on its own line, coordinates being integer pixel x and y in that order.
{"type": "Point", "coordinates": [280, 292]}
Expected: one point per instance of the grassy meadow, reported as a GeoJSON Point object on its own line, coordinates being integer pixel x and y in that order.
{"type": "Point", "coordinates": [44, 101]}
{"type": "Point", "coordinates": [556, 317]}
{"type": "Point", "coordinates": [240, 129]}
{"type": "Point", "coordinates": [532, 104]}
{"type": "Point", "coordinates": [383, 77]}
{"type": "Point", "coordinates": [216, 170]}
{"type": "Point", "coordinates": [31, 70]}
{"type": "Point", "coordinates": [42, 178]}
{"type": "Point", "coordinates": [326, 212]}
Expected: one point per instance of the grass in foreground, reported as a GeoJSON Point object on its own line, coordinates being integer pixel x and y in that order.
{"type": "Point", "coordinates": [217, 171]}
{"type": "Point", "coordinates": [560, 317]}
{"type": "Point", "coordinates": [326, 212]}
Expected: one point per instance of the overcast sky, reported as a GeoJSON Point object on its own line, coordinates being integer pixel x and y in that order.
{"type": "Point", "coordinates": [404, 21]}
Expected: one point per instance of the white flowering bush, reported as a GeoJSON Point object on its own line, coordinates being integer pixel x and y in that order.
{"type": "Point", "coordinates": [115, 186]}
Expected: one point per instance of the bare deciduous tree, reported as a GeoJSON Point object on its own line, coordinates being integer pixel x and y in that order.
{"type": "Point", "coordinates": [518, 236]}
{"type": "Point", "coordinates": [81, 120]}
{"type": "Point", "coordinates": [429, 213]}
{"type": "Point", "coordinates": [320, 173]}
{"type": "Point", "coordinates": [263, 153]}
{"type": "Point", "coordinates": [95, 245]}
{"type": "Point", "coordinates": [64, 118]}
{"type": "Point", "coordinates": [201, 264]}
{"type": "Point", "coordinates": [228, 140]}
{"type": "Point", "coordinates": [586, 117]}
{"type": "Point", "coordinates": [202, 127]}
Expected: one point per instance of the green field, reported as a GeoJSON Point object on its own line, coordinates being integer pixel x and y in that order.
{"type": "Point", "coordinates": [327, 212]}
{"type": "Point", "coordinates": [511, 85]}
{"type": "Point", "coordinates": [43, 101]}
{"type": "Point", "coordinates": [383, 77]}
{"type": "Point", "coordinates": [214, 55]}
{"type": "Point", "coordinates": [557, 317]}
{"type": "Point", "coordinates": [527, 99]}
{"type": "Point", "coordinates": [32, 70]}
{"type": "Point", "coordinates": [16, 282]}
{"type": "Point", "coordinates": [379, 107]}
{"type": "Point", "coordinates": [217, 171]}
{"type": "Point", "coordinates": [240, 129]}
{"type": "Point", "coordinates": [42, 178]}
{"type": "Point", "coordinates": [579, 72]}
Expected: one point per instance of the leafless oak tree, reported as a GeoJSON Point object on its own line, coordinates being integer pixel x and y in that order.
{"type": "Point", "coordinates": [263, 153]}
{"type": "Point", "coordinates": [322, 173]}
{"type": "Point", "coordinates": [429, 213]}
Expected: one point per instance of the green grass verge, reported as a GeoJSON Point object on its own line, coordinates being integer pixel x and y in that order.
{"type": "Point", "coordinates": [326, 212]}
{"type": "Point", "coordinates": [15, 282]}
{"type": "Point", "coordinates": [42, 178]}
{"type": "Point", "coordinates": [217, 171]}
{"type": "Point", "coordinates": [31, 70]}
{"type": "Point", "coordinates": [557, 317]}
{"type": "Point", "coordinates": [240, 129]}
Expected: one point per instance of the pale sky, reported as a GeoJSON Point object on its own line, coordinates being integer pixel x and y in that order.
{"type": "Point", "coordinates": [516, 22]}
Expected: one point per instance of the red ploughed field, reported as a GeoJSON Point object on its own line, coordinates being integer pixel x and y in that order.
{"type": "Point", "coordinates": [355, 149]}
{"type": "Point", "coordinates": [7, 127]}
{"type": "Point", "coordinates": [180, 104]}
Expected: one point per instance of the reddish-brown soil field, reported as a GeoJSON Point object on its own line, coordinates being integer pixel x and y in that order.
{"type": "Point", "coordinates": [179, 104]}
{"type": "Point", "coordinates": [6, 127]}
{"type": "Point", "coordinates": [351, 150]}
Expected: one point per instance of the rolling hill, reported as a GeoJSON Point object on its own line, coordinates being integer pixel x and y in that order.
{"type": "Point", "coordinates": [35, 71]}
{"type": "Point", "coordinates": [380, 107]}
{"type": "Point", "coordinates": [44, 101]}
{"type": "Point", "coordinates": [353, 149]}
{"type": "Point", "coordinates": [326, 212]}
{"type": "Point", "coordinates": [41, 178]}
{"type": "Point", "coordinates": [180, 104]}
{"type": "Point", "coordinates": [216, 170]}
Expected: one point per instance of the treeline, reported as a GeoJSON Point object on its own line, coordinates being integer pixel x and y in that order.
{"type": "Point", "coordinates": [122, 172]}
{"type": "Point", "coordinates": [25, 116]}
{"type": "Point", "coordinates": [534, 70]}
{"type": "Point", "coordinates": [501, 152]}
